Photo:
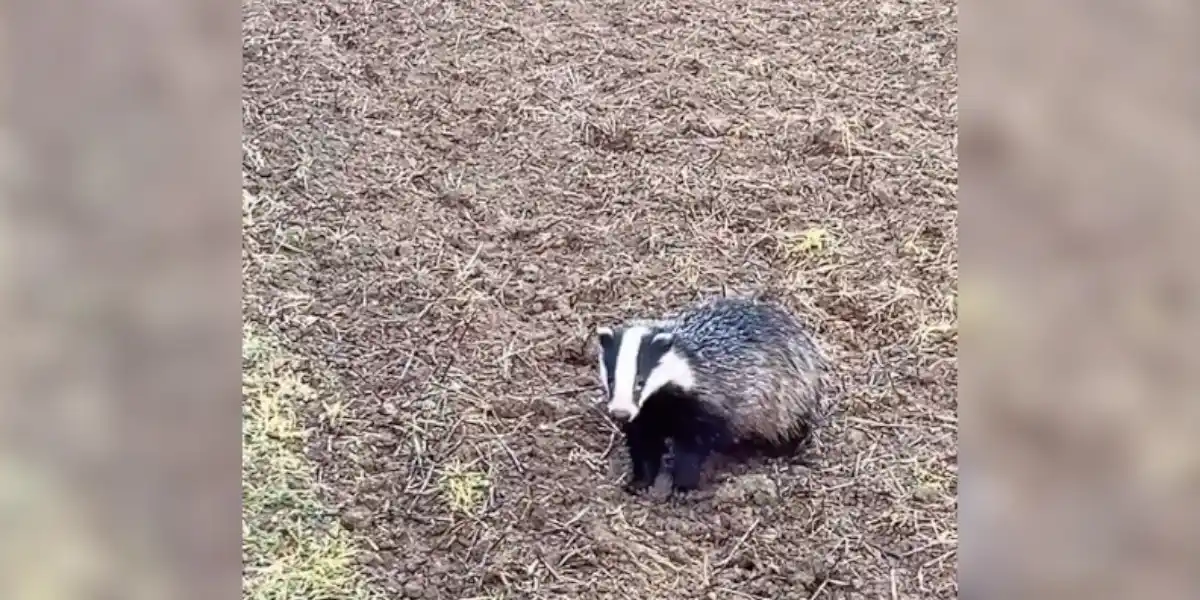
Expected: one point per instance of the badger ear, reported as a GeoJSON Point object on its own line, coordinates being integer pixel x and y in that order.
{"type": "Point", "coordinates": [606, 336]}
{"type": "Point", "coordinates": [663, 341]}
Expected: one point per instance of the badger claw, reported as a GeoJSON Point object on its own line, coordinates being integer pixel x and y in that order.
{"type": "Point", "coordinates": [637, 486]}
{"type": "Point", "coordinates": [682, 495]}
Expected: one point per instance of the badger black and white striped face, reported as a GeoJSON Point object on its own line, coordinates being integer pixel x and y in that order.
{"type": "Point", "coordinates": [636, 362]}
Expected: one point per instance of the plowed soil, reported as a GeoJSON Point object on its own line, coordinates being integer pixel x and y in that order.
{"type": "Point", "coordinates": [448, 196]}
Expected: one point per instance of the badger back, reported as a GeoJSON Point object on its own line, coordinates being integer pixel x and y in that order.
{"type": "Point", "coordinates": [755, 363]}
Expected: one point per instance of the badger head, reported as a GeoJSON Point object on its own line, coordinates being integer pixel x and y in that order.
{"type": "Point", "coordinates": [636, 361]}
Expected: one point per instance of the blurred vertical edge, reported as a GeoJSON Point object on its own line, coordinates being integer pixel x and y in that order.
{"type": "Point", "coordinates": [117, 420]}
{"type": "Point", "coordinates": [1080, 139]}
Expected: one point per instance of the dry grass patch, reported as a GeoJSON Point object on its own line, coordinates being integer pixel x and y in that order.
{"type": "Point", "coordinates": [464, 488]}
{"type": "Point", "coordinates": [811, 241]}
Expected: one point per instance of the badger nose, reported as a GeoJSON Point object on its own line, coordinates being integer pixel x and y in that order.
{"type": "Point", "coordinates": [620, 414]}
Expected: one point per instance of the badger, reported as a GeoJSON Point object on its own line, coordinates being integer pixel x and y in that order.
{"type": "Point", "coordinates": [722, 372]}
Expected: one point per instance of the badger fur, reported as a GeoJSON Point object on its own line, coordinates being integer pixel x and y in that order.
{"type": "Point", "coordinates": [723, 371]}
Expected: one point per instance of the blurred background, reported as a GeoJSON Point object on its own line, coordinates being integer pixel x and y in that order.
{"type": "Point", "coordinates": [119, 162]}
{"type": "Point", "coordinates": [1079, 146]}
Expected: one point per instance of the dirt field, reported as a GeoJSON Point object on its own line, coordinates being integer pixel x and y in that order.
{"type": "Point", "coordinates": [444, 198]}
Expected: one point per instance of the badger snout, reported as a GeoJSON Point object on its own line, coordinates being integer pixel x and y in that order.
{"type": "Point", "coordinates": [621, 415]}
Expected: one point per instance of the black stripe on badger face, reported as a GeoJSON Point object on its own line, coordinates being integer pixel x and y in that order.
{"type": "Point", "coordinates": [610, 343]}
{"type": "Point", "coordinates": [653, 347]}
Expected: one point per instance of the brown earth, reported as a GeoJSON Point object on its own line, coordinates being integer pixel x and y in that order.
{"type": "Point", "coordinates": [449, 196]}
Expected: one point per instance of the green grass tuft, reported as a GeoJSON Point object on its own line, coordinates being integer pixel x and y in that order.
{"type": "Point", "coordinates": [292, 549]}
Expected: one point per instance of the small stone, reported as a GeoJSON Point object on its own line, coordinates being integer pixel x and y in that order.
{"type": "Point", "coordinates": [803, 578]}
{"type": "Point", "coordinates": [718, 124]}
{"type": "Point", "coordinates": [412, 589]}
{"type": "Point", "coordinates": [927, 492]}
{"type": "Point", "coordinates": [856, 437]}
{"type": "Point", "coordinates": [731, 493]}
{"type": "Point", "coordinates": [357, 518]}
{"type": "Point", "coordinates": [760, 487]}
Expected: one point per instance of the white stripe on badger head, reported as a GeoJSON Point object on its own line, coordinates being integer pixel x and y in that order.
{"type": "Point", "coordinates": [625, 374]}
{"type": "Point", "coordinates": [603, 379]}
{"type": "Point", "coordinates": [671, 369]}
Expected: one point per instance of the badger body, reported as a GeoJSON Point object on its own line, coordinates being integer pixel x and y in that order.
{"type": "Point", "coordinates": [723, 372]}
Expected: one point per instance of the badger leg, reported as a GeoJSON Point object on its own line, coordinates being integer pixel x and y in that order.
{"type": "Point", "coordinates": [689, 462]}
{"type": "Point", "coordinates": [646, 449]}
{"type": "Point", "coordinates": [695, 442]}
